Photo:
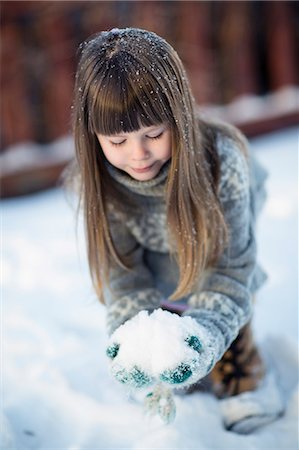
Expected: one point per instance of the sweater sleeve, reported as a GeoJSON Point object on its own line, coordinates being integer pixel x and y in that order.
{"type": "Point", "coordinates": [223, 304]}
{"type": "Point", "coordinates": [129, 291]}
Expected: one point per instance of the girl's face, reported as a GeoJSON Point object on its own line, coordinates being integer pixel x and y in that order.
{"type": "Point", "coordinates": [140, 153]}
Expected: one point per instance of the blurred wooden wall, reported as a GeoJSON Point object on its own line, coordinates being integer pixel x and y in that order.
{"type": "Point", "coordinates": [229, 49]}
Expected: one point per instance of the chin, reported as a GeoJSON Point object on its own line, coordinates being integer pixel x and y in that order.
{"type": "Point", "coordinates": [143, 176]}
{"type": "Point", "coordinates": [146, 176]}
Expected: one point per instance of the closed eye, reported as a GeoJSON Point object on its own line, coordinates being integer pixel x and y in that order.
{"type": "Point", "coordinates": [156, 137]}
{"type": "Point", "coordinates": [117, 143]}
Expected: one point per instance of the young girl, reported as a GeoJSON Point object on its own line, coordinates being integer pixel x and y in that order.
{"type": "Point", "coordinates": [170, 200]}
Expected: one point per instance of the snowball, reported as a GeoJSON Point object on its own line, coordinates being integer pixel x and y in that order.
{"type": "Point", "coordinates": [158, 342]}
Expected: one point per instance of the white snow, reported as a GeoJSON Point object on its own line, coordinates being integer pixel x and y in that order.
{"type": "Point", "coordinates": [30, 155]}
{"type": "Point", "coordinates": [161, 344]}
{"type": "Point", "coordinates": [57, 392]}
{"type": "Point", "coordinates": [254, 107]}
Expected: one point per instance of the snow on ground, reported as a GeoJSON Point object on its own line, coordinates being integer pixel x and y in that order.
{"type": "Point", "coordinates": [56, 389]}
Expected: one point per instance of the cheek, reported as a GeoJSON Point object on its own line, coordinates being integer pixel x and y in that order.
{"type": "Point", "coordinates": [167, 148]}
{"type": "Point", "coordinates": [113, 156]}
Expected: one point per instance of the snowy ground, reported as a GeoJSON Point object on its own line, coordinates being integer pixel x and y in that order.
{"type": "Point", "coordinates": [56, 389]}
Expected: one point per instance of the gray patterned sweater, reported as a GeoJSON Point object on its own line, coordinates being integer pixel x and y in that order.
{"type": "Point", "coordinates": [223, 302]}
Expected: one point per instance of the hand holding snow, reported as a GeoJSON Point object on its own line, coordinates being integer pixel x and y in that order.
{"type": "Point", "coordinates": [160, 348]}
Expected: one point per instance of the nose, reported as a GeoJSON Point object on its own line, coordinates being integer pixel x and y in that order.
{"type": "Point", "coordinates": [139, 151]}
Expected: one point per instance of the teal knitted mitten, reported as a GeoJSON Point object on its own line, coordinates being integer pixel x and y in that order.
{"type": "Point", "coordinates": [160, 348]}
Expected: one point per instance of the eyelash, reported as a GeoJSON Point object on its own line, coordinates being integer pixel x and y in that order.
{"type": "Point", "coordinates": [117, 144]}
{"type": "Point", "coordinates": [156, 137]}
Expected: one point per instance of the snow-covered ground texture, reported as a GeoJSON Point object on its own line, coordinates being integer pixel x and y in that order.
{"type": "Point", "coordinates": [57, 392]}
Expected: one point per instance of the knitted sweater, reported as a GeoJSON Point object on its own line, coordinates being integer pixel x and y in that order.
{"type": "Point", "coordinates": [223, 300]}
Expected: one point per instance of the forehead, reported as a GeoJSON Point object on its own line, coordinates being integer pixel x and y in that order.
{"type": "Point", "coordinates": [126, 92]}
{"type": "Point", "coordinates": [126, 105]}
{"type": "Point", "coordinates": [139, 131]}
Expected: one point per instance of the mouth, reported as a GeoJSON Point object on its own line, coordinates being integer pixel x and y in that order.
{"type": "Point", "coordinates": [143, 169]}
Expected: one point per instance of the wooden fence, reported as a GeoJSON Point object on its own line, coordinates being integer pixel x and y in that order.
{"type": "Point", "coordinates": [229, 49]}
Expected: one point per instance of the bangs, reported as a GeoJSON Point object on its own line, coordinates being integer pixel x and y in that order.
{"type": "Point", "coordinates": [126, 99]}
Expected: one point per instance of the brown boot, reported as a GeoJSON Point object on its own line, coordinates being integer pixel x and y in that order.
{"type": "Point", "coordinates": [240, 369]}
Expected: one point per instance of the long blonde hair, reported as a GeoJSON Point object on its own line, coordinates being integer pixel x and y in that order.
{"type": "Point", "coordinates": [128, 78]}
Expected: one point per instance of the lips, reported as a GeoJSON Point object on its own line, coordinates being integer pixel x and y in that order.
{"type": "Point", "coordinates": [143, 169]}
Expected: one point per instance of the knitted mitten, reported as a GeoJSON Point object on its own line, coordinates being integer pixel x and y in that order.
{"type": "Point", "coordinates": [161, 349]}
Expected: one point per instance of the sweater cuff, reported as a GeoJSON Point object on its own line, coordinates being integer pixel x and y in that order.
{"type": "Point", "coordinates": [215, 338]}
{"type": "Point", "coordinates": [129, 305]}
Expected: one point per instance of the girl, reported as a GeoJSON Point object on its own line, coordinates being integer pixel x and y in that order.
{"type": "Point", "coordinates": [170, 200]}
